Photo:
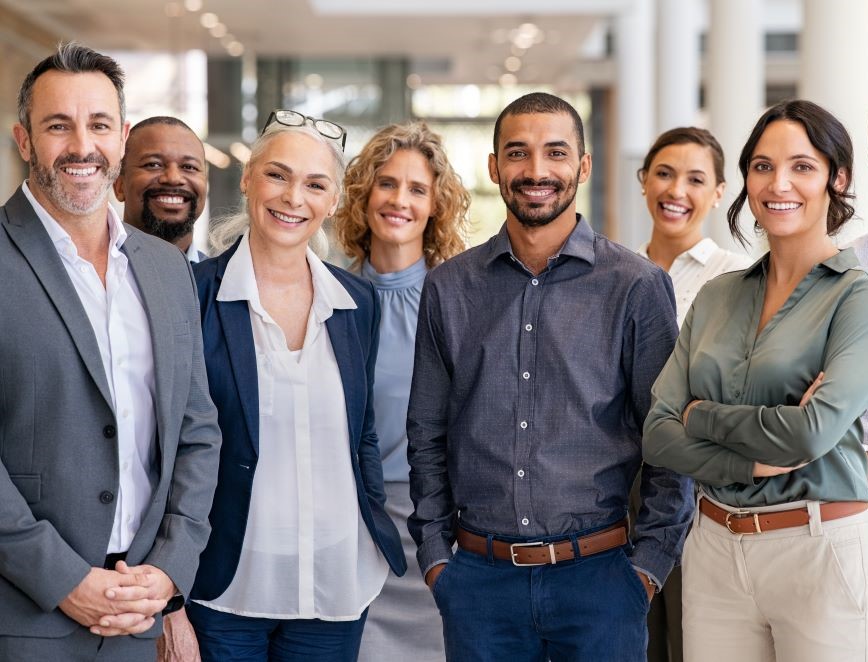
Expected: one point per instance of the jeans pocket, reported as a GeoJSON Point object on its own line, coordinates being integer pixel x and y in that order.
{"type": "Point", "coordinates": [436, 589]}
{"type": "Point", "coordinates": [634, 581]}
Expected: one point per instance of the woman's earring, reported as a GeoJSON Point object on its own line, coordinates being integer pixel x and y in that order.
{"type": "Point", "coordinates": [643, 191]}
{"type": "Point", "coordinates": [716, 205]}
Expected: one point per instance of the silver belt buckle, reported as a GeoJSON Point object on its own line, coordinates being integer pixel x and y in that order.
{"type": "Point", "coordinates": [551, 547]}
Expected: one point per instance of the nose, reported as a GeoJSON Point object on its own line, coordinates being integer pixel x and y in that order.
{"type": "Point", "coordinates": [536, 167]}
{"type": "Point", "coordinates": [292, 195]}
{"type": "Point", "coordinates": [676, 188]}
{"type": "Point", "coordinates": [171, 174]}
{"type": "Point", "coordinates": [81, 143]}
{"type": "Point", "coordinates": [780, 182]}
{"type": "Point", "coordinates": [398, 199]}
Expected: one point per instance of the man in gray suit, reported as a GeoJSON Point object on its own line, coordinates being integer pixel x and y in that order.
{"type": "Point", "coordinates": [109, 442]}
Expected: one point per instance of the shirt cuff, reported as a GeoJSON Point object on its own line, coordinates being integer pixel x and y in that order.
{"type": "Point", "coordinates": [650, 575]}
{"type": "Point", "coordinates": [432, 551]}
{"type": "Point", "coordinates": [700, 421]}
{"type": "Point", "coordinates": [648, 558]}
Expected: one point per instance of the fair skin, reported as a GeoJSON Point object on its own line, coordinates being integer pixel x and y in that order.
{"type": "Point", "coordinates": [786, 188]}
{"type": "Point", "coordinates": [680, 190]}
{"type": "Point", "coordinates": [77, 140]}
{"type": "Point", "coordinates": [399, 205]}
{"type": "Point", "coordinates": [165, 171]}
{"type": "Point", "coordinates": [291, 188]}
{"type": "Point", "coordinates": [538, 166]}
{"type": "Point", "coordinates": [74, 148]}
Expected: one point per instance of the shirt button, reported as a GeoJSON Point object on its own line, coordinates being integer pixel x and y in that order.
{"type": "Point", "coordinates": [737, 394]}
{"type": "Point", "coordinates": [523, 425]}
{"type": "Point", "coordinates": [526, 375]}
{"type": "Point", "coordinates": [125, 466]}
{"type": "Point", "coordinates": [109, 431]}
{"type": "Point", "coordinates": [525, 521]}
{"type": "Point", "coordinates": [528, 327]}
{"type": "Point", "coordinates": [83, 269]}
{"type": "Point", "coordinates": [121, 363]}
{"type": "Point", "coordinates": [521, 473]}
{"type": "Point", "coordinates": [126, 413]}
{"type": "Point", "coordinates": [534, 282]}
{"type": "Point", "coordinates": [106, 497]}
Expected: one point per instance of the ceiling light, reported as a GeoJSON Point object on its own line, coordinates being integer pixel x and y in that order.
{"type": "Point", "coordinates": [218, 31]}
{"type": "Point", "coordinates": [512, 64]}
{"type": "Point", "coordinates": [313, 81]}
{"type": "Point", "coordinates": [173, 9]}
{"type": "Point", "coordinates": [508, 79]}
{"type": "Point", "coordinates": [215, 157]}
{"type": "Point", "coordinates": [208, 20]}
{"type": "Point", "coordinates": [414, 81]}
{"type": "Point", "coordinates": [193, 5]}
{"type": "Point", "coordinates": [235, 49]}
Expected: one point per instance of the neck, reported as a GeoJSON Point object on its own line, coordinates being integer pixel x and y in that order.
{"type": "Point", "coordinates": [662, 251]}
{"type": "Point", "coordinates": [388, 258]}
{"type": "Point", "coordinates": [791, 258]}
{"type": "Point", "coordinates": [89, 232]}
{"type": "Point", "coordinates": [274, 264]}
{"type": "Point", "coordinates": [535, 245]}
{"type": "Point", "coordinates": [183, 243]}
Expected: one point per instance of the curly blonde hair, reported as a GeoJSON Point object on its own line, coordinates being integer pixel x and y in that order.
{"type": "Point", "coordinates": [445, 234]}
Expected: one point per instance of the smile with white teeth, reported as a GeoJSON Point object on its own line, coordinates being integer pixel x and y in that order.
{"type": "Point", "coordinates": [392, 218]}
{"type": "Point", "coordinates": [79, 172]}
{"type": "Point", "coordinates": [169, 199]}
{"type": "Point", "coordinates": [676, 209]}
{"type": "Point", "coordinates": [783, 206]}
{"type": "Point", "coordinates": [286, 218]}
{"type": "Point", "coordinates": [537, 193]}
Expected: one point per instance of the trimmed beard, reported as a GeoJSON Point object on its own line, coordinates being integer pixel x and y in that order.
{"type": "Point", "coordinates": [47, 180]}
{"type": "Point", "coordinates": [525, 214]}
{"type": "Point", "coordinates": [167, 230]}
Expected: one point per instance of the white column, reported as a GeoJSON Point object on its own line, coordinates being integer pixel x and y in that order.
{"type": "Point", "coordinates": [735, 86]}
{"type": "Point", "coordinates": [634, 43]}
{"type": "Point", "coordinates": [677, 63]}
{"type": "Point", "coordinates": [834, 61]}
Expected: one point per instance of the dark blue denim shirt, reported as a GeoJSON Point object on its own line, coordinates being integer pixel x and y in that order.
{"type": "Point", "coordinates": [529, 394]}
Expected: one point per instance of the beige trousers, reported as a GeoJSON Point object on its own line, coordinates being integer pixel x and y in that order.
{"type": "Point", "coordinates": [791, 595]}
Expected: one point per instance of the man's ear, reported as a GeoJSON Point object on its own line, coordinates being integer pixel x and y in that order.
{"type": "Point", "coordinates": [22, 140]}
{"type": "Point", "coordinates": [584, 168]}
{"type": "Point", "coordinates": [492, 169]}
{"type": "Point", "coordinates": [118, 187]}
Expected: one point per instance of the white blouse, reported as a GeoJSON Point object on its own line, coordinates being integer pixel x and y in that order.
{"type": "Point", "coordinates": [307, 552]}
{"type": "Point", "coordinates": [695, 267]}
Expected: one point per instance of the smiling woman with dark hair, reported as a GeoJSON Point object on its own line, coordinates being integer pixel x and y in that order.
{"type": "Point", "coordinates": [760, 402]}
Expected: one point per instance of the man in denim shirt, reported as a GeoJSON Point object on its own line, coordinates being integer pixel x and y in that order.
{"type": "Point", "coordinates": [535, 355]}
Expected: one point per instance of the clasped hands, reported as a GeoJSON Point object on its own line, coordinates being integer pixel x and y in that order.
{"type": "Point", "coordinates": [119, 601]}
{"type": "Point", "coordinates": [761, 470]}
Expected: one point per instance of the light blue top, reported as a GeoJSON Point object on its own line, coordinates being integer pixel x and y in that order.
{"type": "Point", "coordinates": [399, 294]}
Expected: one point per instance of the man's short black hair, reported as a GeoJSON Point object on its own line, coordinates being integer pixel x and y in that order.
{"type": "Point", "coordinates": [541, 102]}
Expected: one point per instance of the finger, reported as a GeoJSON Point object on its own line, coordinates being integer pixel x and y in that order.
{"type": "Point", "coordinates": [135, 627]}
{"type": "Point", "coordinates": [146, 607]}
{"type": "Point", "coordinates": [123, 593]}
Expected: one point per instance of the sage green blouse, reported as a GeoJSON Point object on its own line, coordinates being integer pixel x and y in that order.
{"type": "Point", "coordinates": [751, 386]}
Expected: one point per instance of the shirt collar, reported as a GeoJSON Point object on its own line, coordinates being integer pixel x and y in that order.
{"type": "Point", "coordinates": [839, 263]}
{"type": "Point", "coordinates": [703, 251]}
{"type": "Point", "coordinates": [239, 284]}
{"type": "Point", "coordinates": [579, 244]}
{"type": "Point", "coordinates": [61, 238]}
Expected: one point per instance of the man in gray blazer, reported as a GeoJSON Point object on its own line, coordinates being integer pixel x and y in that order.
{"type": "Point", "coordinates": [109, 442]}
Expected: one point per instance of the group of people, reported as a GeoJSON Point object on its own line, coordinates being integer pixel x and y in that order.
{"type": "Point", "coordinates": [268, 440]}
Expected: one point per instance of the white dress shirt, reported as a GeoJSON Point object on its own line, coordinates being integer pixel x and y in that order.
{"type": "Point", "coordinates": [306, 552]}
{"type": "Point", "coordinates": [120, 324]}
{"type": "Point", "coordinates": [695, 267]}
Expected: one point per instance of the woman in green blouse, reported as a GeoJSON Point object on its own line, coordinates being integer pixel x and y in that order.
{"type": "Point", "coordinates": [760, 402]}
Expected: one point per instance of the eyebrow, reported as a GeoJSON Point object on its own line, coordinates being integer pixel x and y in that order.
{"type": "Point", "coordinates": [288, 170]}
{"type": "Point", "coordinates": [794, 157]}
{"type": "Point", "coordinates": [412, 182]}
{"type": "Point", "coordinates": [160, 155]}
{"type": "Point", "coordinates": [54, 117]}
{"type": "Point", "coordinates": [521, 143]}
{"type": "Point", "coordinates": [695, 171]}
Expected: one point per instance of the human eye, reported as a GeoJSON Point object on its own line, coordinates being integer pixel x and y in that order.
{"type": "Point", "coordinates": [317, 186]}
{"type": "Point", "coordinates": [151, 165]}
{"type": "Point", "coordinates": [803, 167]}
{"type": "Point", "coordinates": [761, 166]}
{"type": "Point", "coordinates": [276, 175]}
{"type": "Point", "coordinates": [57, 127]}
{"type": "Point", "coordinates": [698, 181]}
{"type": "Point", "coordinates": [419, 190]}
{"type": "Point", "coordinates": [385, 184]}
{"type": "Point", "coordinates": [100, 126]}
{"type": "Point", "coordinates": [189, 167]}
{"type": "Point", "coordinates": [557, 153]}
{"type": "Point", "coordinates": [516, 154]}
{"type": "Point", "coordinates": [662, 174]}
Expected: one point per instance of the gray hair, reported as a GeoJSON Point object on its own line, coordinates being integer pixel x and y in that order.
{"type": "Point", "coordinates": [71, 58]}
{"type": "Point", "coordinates": [225, 231]}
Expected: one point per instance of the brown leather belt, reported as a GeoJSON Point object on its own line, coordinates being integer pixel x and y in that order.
{"type": "Point", "coordinates": [541, 553]}
{"type": "Point", "coordinates": [747, 521]}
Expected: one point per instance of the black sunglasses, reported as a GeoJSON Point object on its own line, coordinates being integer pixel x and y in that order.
{"type": "Point", "coordinates": [294, 118]}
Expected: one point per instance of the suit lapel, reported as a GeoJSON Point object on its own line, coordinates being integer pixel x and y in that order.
{"type": "Point", "coordinates": [235, 320]}
{"type": "Point", "coordinates": [160, 323]}
{"type": "Point", "coordinates": [343, 337]}
{"type": "Point", "coordinates": [28, 234]}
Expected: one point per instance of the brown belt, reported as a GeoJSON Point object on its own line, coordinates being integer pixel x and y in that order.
{"type": "Point", "coordinates": [540, 553]}
{"type": "Point", "coordinates": [747, 522]}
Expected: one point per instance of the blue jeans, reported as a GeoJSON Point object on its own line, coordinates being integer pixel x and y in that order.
{"type": "Point", "coordinates": [224, 637]}
{"type": "Point", "coordinates": [592, 608]}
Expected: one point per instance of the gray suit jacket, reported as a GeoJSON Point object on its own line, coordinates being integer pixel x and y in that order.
{"type": "Point", "coordinates": [58, 454]}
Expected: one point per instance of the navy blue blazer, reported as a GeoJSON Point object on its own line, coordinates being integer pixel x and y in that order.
{"type": "Point", "coordinates": [230, 359]}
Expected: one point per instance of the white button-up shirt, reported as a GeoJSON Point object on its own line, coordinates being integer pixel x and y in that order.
{"type": "Point", "coordinates": [695, 267]}
{"type": "Point", "coordinates": [120, 324]}
{"type": "Point", "coordinates": [307, 552]}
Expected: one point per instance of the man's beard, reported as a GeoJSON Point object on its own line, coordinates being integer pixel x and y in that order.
{"type": "Point", "coordinates": [65, 199]}
{"type": "Point", "coordinates": [535, 215]}
{"type": "Point", "coordinates": [169, 231]}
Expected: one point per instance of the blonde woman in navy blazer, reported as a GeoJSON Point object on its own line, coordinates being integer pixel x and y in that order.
{"type": "Point", "coordinates": [292, 183]}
